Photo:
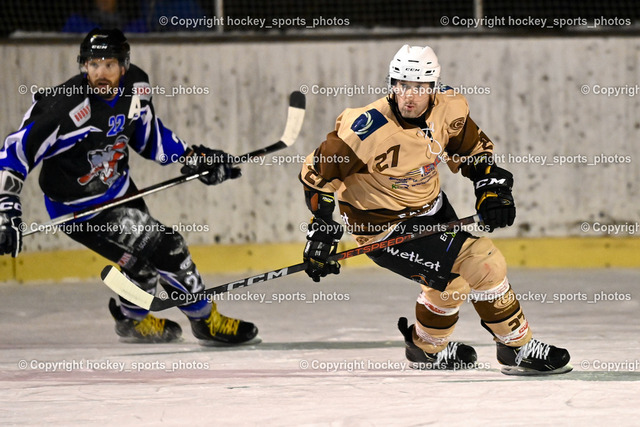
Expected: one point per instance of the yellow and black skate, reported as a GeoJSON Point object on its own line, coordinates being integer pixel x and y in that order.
{"type": "Point", "coordinates": [148, 330]}
{"type": "Point", "coordinates": [220, 329]}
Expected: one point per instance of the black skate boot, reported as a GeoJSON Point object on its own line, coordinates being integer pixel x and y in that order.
{"type": "Point", "coordinates": [455, 356]}
{"type": "Point", "coordinates": [220, 329]}
{"type": "Point", "coordinates": [148, 330]}
{"type": "Point", "coordinates": [533, 358]}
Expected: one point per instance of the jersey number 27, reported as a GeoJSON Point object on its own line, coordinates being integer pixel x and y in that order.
{"type": "Point", "coordinates": [395, 152]}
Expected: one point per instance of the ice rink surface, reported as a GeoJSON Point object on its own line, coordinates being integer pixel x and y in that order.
{"type": "Point", "coordinates": [336, 361]}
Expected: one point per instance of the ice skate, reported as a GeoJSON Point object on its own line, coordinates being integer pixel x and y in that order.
{"type": "Point", "coordinates": [148, 330]}
{"type": "Point", "coordinates": [455, 355]}
{"type": "Point", "coordinates": [220, 329]}
{"type": "Point", "coordinates": [533, 358]}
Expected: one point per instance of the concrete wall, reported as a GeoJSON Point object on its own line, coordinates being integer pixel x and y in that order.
{"type": "Point", "coordinates": [534, 107]}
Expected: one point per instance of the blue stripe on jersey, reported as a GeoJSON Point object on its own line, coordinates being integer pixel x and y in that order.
{"type": "Point", "coordinates": [13, 155]}
{"type": "Point", "coordinates": [156, 142]}
{"type": "Point", "coordinates": [63, 142]}
{"type": "Point", "coordinates": [167, 147]}
{"type": "Point", "coordinates": [140, 136]}
{"type": "Point", "coordinates": [117, 189]}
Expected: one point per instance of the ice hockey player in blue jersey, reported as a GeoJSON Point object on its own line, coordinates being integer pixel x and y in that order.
{"type": "Point", "coordinates": [82, 136]}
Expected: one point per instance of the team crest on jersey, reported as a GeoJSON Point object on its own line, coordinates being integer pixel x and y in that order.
{"type": "Point", "coordinates": [457, 124]}
{"type": "Point", "coordinates": [104, 162]}
{"type": "Point", "coordinates": [368, 123]}
{"type": "Point", "coordinates": [81, 113]}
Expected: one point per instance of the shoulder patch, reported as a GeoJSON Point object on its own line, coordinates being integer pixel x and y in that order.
{"type": "Point", "coordinates": [81, 113]}
{"type": "Point", "coordinates": [143, 90]}
{"type": "Point", "coordinates": [368, 123]}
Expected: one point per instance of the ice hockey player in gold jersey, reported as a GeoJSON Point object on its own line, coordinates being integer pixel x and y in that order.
{"type": "Point", "coordinates": [380, 162]}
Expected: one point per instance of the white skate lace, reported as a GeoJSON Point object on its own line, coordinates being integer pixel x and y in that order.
{"type": "Point", "coordinates": [449, 353]}
{"type": "Point", "coordinates": [533, 348]}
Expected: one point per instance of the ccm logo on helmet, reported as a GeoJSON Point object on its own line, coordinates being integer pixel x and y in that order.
{"type": "Point", "coordinates": [490, 181]}
{"type": "Point", "coordinates": [5, 206]}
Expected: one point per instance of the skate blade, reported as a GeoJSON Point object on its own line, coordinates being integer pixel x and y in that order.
{"type": "Point", "coordinates": [528, 372]}
{"type": "Point", "coordinates": [211, 343]}
{"type": "Point", "coordinates": [424, 366]}
{"type": "Point", "coordinates": [132, 340]}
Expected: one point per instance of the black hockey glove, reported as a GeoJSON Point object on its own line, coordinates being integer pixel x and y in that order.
{"type": "Point", "coordinates": [494, 201]}
{"type": "Point", "coordinates": [219, 163]}
{"type": "Point", "coordinates": [10, 225]}
{"type": "Point", "coordinates": [323, 236]}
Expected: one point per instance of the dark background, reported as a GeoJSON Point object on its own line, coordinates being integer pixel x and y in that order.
{"type": "Point", "coordinates": [51, 16]}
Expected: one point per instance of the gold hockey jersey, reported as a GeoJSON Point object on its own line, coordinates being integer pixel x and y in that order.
{"type": "Point", "coordinates": [383, 169]}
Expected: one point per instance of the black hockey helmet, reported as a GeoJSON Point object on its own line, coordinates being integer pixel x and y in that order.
{"type": "Point", "coordinates": [101, 43]}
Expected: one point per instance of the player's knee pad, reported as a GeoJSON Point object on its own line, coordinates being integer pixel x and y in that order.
{"type": "Point", "coordinates": [426, 309]}
{"type": "Point", "coordinates": [177, 269]}
{"type": "Point", "coordinates": [501, 314]}
{"type": "Point", "coordinates": [481, 264]}
{"type": "Point", "coordinates": [444, 302]}
{"type": "Point", "coordinates": [433, 339]}
{"type": "Point", "coordinates": [171, 253]}
{"type": "Point", "coordinates": [437, 314]}
{"type": "Point", "coordinates": [513, 330]}
{"type": "Point", "coordinates": [188, 281]}
{"type": "Point", "coordinates": [143, 275]}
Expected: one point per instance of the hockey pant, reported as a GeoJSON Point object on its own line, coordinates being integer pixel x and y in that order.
{"type": "Point", "coordinates": [147, 252]}
{"type": "Point", "coordinates": [454, 268]}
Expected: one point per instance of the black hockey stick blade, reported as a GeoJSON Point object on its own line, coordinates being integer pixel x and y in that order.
{"type": "Point", "coordinates": [295, 118]}
{"type": "Point", "coordinates": [120, 286]}
{"type": "Point", "coordinates": [297, 100]}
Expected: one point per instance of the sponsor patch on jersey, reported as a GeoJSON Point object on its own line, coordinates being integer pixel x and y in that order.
{"type": "Point", "coordinates": [426, 170]}
{"type": "Point", "coordinates": [81, 113]}
{"type": "Point", "coordinates": [368, 123]}
{"type": "Point", "coordinates": [125, 259]}
{"type": "Point", "coordinates": [143, 90]}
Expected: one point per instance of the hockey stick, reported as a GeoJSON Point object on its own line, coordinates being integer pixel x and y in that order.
{"type": "Point", "coordinates": [122, 286]}
{"type": "Point", "coordinates": [295, 117]}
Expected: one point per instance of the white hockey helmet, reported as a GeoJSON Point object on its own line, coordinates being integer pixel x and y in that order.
{"type": "Point", "coordinates": [415, 64]}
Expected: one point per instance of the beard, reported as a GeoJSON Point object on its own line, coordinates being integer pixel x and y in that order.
{"type": "Point", "coordinates": [411, 111]}
{"type": "Point", "coordinates": [105, 88]}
